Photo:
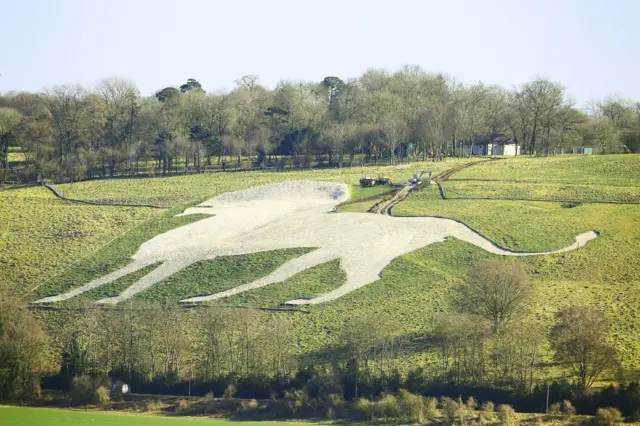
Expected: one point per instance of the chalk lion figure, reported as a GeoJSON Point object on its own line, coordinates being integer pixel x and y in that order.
{"type": "Point", "coordinates": [291, 215]}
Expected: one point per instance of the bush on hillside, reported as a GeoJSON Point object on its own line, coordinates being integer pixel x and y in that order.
{"type": "Point", "coordinates": [453, 410]}
{"type": "Point", "coordinates": [363, 409]}
{"type": "Point", "coordinates": [87, 390]}
{"type": "Point", "coordinates": [607, 417]}
{"type": "Point", "coordinates": [507, 415]}
{"type": "Point", "coordinates": [411, 406]}
{"type": "Point", "coordinates": [230, 391]}
{"type": "Point", "coordinates": [296, 400]}
{"type": "Point", "coordinates": [471, 404]}
{"type": "Point", "coordinates": [153, 405]}
{"type": "Point", "coordinates": [487, 411]}
{"type": "Point", "coordinates": [555, 409]}
{"type": "Point", "coordinates": [334, 405]}
{"type": "Point", "coordinates": [567, 408]}
{"type": "Point", "coordinates": [210, 403]}
{"type": "Point", "coordinates": [387, 407]}
{"type": "Point", "coordinates": [180, 406]}
{"type": "Point", "coordinates": [82, 390]}
{"type": "Point", "coordinates": [102, 396]}
{"type": "Point", "coordinates": [249, 405]}
{"type": "Point", "coordinates": [431, 408]}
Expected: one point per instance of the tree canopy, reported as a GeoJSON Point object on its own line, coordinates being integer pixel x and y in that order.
{"type": "Point", "coordinates": [76, 132]}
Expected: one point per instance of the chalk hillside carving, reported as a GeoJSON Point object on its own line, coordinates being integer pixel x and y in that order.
{"type": "Point", "coordinates": [291, 215]}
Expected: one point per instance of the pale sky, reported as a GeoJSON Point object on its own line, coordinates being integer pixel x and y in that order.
{"type": "Point", "coordinates": [589, 46]}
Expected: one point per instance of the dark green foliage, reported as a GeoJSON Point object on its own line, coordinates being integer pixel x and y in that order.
{"type": "Point", "coordinates": [168, 94]}
{"type": "Point", "coordinates": [191, 85]}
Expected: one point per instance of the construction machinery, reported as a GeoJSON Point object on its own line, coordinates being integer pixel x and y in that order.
{"type": "Point", "coordinates": [417, 178]}
{"type": "Point", "coordinates": [369, 181]}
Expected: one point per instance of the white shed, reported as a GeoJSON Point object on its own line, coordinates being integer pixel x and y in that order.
{"type": "Point", "coordinates": [495, 144]}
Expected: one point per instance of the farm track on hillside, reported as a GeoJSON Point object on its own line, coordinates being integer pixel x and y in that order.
{"type": "Point", "coordinates": [447, 174]}
{"type": "Point", "coordinates": [384, 207]}
{"type": "Point", "coordinates": [61, 196]}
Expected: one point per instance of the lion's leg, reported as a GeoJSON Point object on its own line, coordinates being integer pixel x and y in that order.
{"type": "Point", "coordinates": [361, 269]}
{"type": "Point", "coordinates": [163, 271]}
{"type": "Point", "coordinates": [287, 270]}
{"type": "Point", "coordinates": [130, 268]}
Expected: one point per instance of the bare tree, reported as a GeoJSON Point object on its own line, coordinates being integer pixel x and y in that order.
{"type": "Point", "coordinates": [579, 340]}
{"type": "Point", "coordinates": [248, 82]}
{"type": "Point", "coordinates": [461, 343]}
{"type": "Point", "coordinates": [496, 290]}
{"type": "Point", "coordinates": [541, 98]}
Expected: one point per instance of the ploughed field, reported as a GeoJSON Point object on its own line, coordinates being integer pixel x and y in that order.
{"type": "Point", "coordinates": [53, 245]}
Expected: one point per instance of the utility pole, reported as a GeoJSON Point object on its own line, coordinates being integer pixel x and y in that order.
{"type": "Point", "coordinates": [547, 410]}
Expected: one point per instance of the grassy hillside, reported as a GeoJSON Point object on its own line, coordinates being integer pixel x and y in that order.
{"type": "Point", "coordinates": [543, 191]}
{"type": "Point", "coordinates": [44, 235]}
{"type": "Point", "coordinates": [172, 191]}
{"type": "Point", "coordinates": [576, 169]}
{"type": "Point", "coordinates": [603, 274]}
{"type": "Point", "coordinates": [414, 289]}
{"type": "Point", "coordinates": [41, 236]}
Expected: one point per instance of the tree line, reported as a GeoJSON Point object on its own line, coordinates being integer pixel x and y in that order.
{"type": "Point", "coordinates": [488, 345]}
{"type": "Point", "coordinates": [75, 132]}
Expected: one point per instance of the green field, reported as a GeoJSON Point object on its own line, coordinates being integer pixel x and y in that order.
{"type": "Point", "coordinates": [26, 416]}
{"type": "Point", "coordinates": [579, 170]}
{"type": "Point", "coordinates": [16, 157]}
{"type": "Point", "coordinates": [543, 191]}
{"type": "Point", "coordinates": [173, 191]}
{"type": "Point", "coordinates": [41, 236]}
{"type": "Point", "coordinates": [83, 242]}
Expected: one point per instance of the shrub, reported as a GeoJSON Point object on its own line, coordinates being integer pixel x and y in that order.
{"type": "Point", "coordinates": [230, 391]}
{"type": "Point", "coordinates": [211, 402]}
{"type": "Point", "coordinates": [334, 405]}
{"type": "Point", "coordinates": [296, 400]}
{"type": "Point", "coordinates": [554, 410]}
{"type": "Point", "coordinates": [102, 396]}
{"type": "Point", "coordinates": [451, 409]}
{"type": "Point", "coordinates": [471, 404]}
{"type": "Point", "coordinates": [431, 408]}
{"type": "Point", "coordinates": [388, 407]}
{"type": "Point", "coordinates": [486, 411]}
{"type": "Point", "coordinates": [181, 405]}
{"type": "Point", "coordinates": [83, 390]}
{"type": "Point", "coordinates": [607, 417]}
{"type": "Point", "coordinates": [248, 405]}
{"type": "Point", "coordinates": [507, 415]}
{"type": "Point", "coordinates": [411, 406]}
{"type": "Point", "coordinates": [331, 413]}
{"type": "Point", "coordinates": [153, 405]}
{"type": "Point", "coordinates": [567, 408]}
{"type": "Point", "coordinates": [364, 409]}
{"type": "Point", "coordinates": [570, 204]}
